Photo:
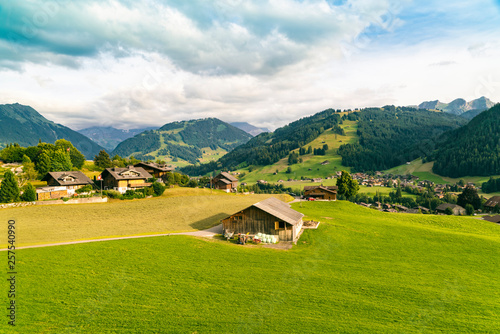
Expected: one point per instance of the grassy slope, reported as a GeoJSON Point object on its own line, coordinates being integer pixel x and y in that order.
{"type": "Point", "coordinates": [310, 161]}
{"type": "Point", "coordinates": [179, 209]}
{"type": "Point", "coordinates": [362, 271]}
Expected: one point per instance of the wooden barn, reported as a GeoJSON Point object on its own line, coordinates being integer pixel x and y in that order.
{"type": "Point", "coordinates": [225, 181]}
{"type": "Point", "coordinates": [157, 170]}
{"type": "Point", "coordinates": [321, 192]}
{"type": "Point", "coordinates": [270, 216]}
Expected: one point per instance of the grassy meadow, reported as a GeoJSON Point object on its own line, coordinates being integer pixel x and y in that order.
{"type": "Point", "coordinates": [178, 210]}
{"type": "Point", "coordinates": [362, 271]}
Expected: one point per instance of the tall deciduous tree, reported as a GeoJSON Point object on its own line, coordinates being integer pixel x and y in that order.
{"type": "Point", "coordinates": [77, 158]}
{"type": "Point", "coordinates": [61, 161]}
{"type": "Point", "coordinates": [469, 196]}
{"type": "Point", "coordinates": [9, 191]}
{"type": "Point", "coordinates": [102, 160]}
{"type": "Point", "coordinates": [346, 185]}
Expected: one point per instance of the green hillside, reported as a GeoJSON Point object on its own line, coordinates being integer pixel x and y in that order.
{"type": "Point", "coordinates": [25, 126]}
{"type": "Point", "coordinates": [186, 142]}
{"type": "Point", "coordinates": [391, 136]}
{"type": "Point", "coordinates": [362, 271]}
{"type": "Point", "coordinates": [472, 150]}
{"type": "Point", "coordinates": [269, 148]}
{"type": "Point", "coordinates": [312, 166]}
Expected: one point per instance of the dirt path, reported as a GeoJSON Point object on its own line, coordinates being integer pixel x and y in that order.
{"type": "Point", "coordinates": [205, 233]}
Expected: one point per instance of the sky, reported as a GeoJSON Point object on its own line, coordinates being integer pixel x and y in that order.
{"type": "Point", "coordinates": [131, 64]}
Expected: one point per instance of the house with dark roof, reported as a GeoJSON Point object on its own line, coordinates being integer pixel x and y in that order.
{"type": "Point", "coordinates": [123, 179]}
{"type": "Point", "coordinates": [321, 192]}
{"type": "Point", "coordinates": [456, 209]}
{"type": "Point", "coordinates": [270, 216]}
{"type": "Point", "coordinates": [62, 184]}
{"type": "Point", "coordinates": [155, 169]}
{"type": "Point", "coordinates": [492, 204]}
{"type": "Point", "coordinates": [225, 181]}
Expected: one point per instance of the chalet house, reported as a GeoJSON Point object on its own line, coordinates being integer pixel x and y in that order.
{"type": "Point", "coordinates": [457, 209]}
{"type": "Point", "coordinates": [270, 216]}
{"type": "Point", "coordinates": [123, 179]}
{"type": "Point", "coordinates": [69, 181]}
{"type": "Point", "coordinates": [321, 192]}
{"type": "Point", "coordinates": [225, 181]}
{"type": "Point", "coordinates": [157, 170]}
{"type": "Point", "coordinates": [492, 204]}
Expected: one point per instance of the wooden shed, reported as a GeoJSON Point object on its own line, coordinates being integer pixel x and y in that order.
{"type": "Point", "coordinates": [321, 192]}
{"type": "Point", "coordinates": [492, 203]}
{"type": "Point", "coordinates": [270, 216]}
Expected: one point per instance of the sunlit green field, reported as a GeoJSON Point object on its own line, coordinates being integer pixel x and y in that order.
{"type": "Point", "coordinates": [362, 271]}
{"type": "Point", "coordinates": [179, 209]}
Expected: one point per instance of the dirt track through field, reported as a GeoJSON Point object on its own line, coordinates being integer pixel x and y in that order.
{"type": "Point", "coordinates": [209, 233]}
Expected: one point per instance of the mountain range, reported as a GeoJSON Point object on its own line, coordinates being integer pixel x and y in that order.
{"type": "Point", "coordinates": [109, 137]}
{"type": "Point", "coordinates": [24, 125]}
{"type": "Point", "coordinates": [460, 106]}
{"type": "Point", "coordinates": [189, 141]}
{"type": "Point", "coordinates": [249, 128]}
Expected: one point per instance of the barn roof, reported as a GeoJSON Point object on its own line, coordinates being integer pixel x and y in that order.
{"type": "Point", "coordinates": [280, 209]}
{"type": "Point", "coordinates": [492, 202]}
{"type": "Point", "coordinates": [493, 219]}
{"type": "Point", "coordinates": [69, 178]}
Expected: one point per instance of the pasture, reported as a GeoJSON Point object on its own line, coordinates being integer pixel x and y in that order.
{"type": "Point", "coordinates": [178, 210]}
{"type": "Point", "coordinates": [362, 271]}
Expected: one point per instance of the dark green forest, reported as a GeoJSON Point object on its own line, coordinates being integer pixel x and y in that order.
{"type": "Point", "coordinates": [473, 150]}
{"type": "Point", "coordinates": [268, 148]}
{"type": "Point", "coordinates": [391, 136]}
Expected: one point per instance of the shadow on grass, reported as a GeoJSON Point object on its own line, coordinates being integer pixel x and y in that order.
{"type": "Point", "coordinates": [208, 222]}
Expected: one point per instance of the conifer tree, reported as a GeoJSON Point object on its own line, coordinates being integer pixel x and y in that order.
{"type": "Point", "coordinates": [9, 191]}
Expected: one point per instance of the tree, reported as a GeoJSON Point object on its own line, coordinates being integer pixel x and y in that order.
{"type": "Point", "coordinates": [77, 158]}
{"type": "Point", "coordinates": [9, 191]}
{"type": "Point", "coordinates": [448, 211]}
{"type": "Point", "coordinates": [346, 185]}
{"type": "Point", "coordinates": [29, 194]}
{"type": "Point", "coordinates": [469, 209]}
{"type": "Point", "coordinates": [289, 170]}
{"type": "Point", "coordinates": [29, 168]}
{"type": "Point", "coordinates": [309, 150]}
{"type": "Point", "coordinates": [61, 161]}
{"type": "Point", "coordinates": [102, 160]}
{"type": "Point", "coordinates": [469, 196]}
{"type": "Point", "coordinates": [44, 163]}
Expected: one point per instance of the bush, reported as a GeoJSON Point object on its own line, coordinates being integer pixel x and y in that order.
{"type": "Point", "coordinates": [158, 189]}
{"type": "Point", "coordinates": [448, 211]}
{"type": "Point", "coordinates": [84, 189]}
{"type": "Point", "coordinates": [469, 209]}
{"type": "Point", "coordinates": [29, 194]}
{"type": "Point", "coordinates": [112, 194]}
